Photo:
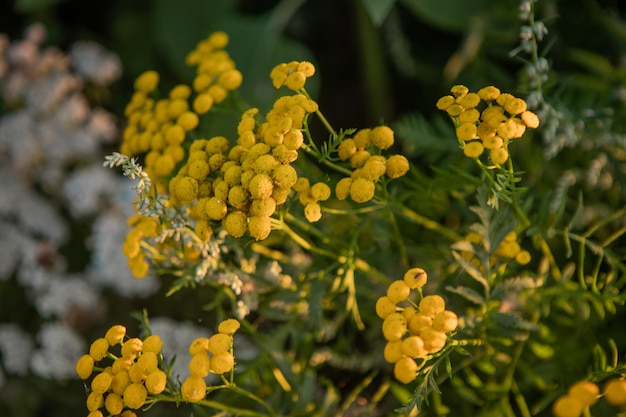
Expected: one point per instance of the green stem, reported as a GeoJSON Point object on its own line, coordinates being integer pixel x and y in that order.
{"type": "Point", "coordinates": [426, 222]}
{"type": "Point", "coordinates": [404, 258]}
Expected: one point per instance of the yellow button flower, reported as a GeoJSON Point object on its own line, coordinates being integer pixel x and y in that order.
{"type": "Point", "coordinates": [222, 363]}
{"type": "Point", "coordinates": [405, 370]}
{"type": "Point", "coordinates": [382, 137]}
{"type": "Point", "coordinates": [430, 305]}
{"type": "Point", "coordinates": [259, 227]}
{"type": "Point", "coordinates": [398, 291]}
{"type": "Point", "coordinates": [235, 223]}
{"type": "Point", "coordinates": [193, 389]}
{"type": "Point", "coordinates": [466, 131]}
{"type": "Point", "coordinates": [362, 190]}
{"type": "Point", "coordinates": [99, 348]}
{"type": "Point", "coordinates": [84, 366]}
{"type": "Point", "coordinates": [113, 403]}
{"type": "Point", "coordinates": [396, 166]}
{"type": "Point", "coordinates": [147, 81]}
{"type": "Point", "coordinates": [135, 395]}
{"type": "Point", "coordinates": [385, 306]}
{"type": "Point", "coordinates": [473, 149]}
{"type": "Point", "coordinates": [415, 278]}
{"type": "Point", "coordinates": [101, 383]}
{"type": "Point", "coordinates": [156, 381]}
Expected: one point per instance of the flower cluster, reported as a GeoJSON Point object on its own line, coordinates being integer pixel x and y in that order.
{"type": "Point", "coordinates": [508, 249]}
{"type": "Point", "coordinates": [292, 74]}
{"type": "Point", "coordinates": [142, 226]}
{"type": "Point", "coordinates": [487, 119]}
{"type": "Point", "coordinates": [584, 394]}
{"type": "Point", "coordinates": [159, 127]}
{"type": "Point", "coordinates": [213, 354]}
{"type": "Point", "coordinates": [133, 375]}
{"type": "Point", "coordinates": [368, 167]}
{"type": "Point", "coordinates": [413, 330]}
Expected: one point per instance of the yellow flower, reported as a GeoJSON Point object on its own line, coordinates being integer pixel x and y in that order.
{"type": "Point", "coordinates": [101, 383]}
{"type": "Point", "coordinates": [515, 106]}
{"type": "Point", "coordinates": [413, 346]}
{"type": "Point", "coordinates": [615, 392]}
{"type": "Point", "coordinates": [313, 212]}
{"type": "Point", "coordinates": [261, 186]}
{"type": "Point", "coordinates": [230, 79]}
{"type": "Point", "coordinates": [418, 322]}
{"type": "Point", "coordinates": [434, 340]}
{"type": "Point", "coordinates": [202, 103]}
{"type": "Point", "coordinates": [186, 189]}
{"type": "Point", "coordinates": [200, 365]}
{"type": "Point", "coordinates": [430, 305]}
{"type": "Point", "coordinates": [219, 343]}
{"type": "Point", "coordinates": [181, 91]}
{"type": "Point", "coordinates": [228, 326]}
{"type": "Point", "coordinates": [94, 401]}
{"type": "Point", "coordinates": [259, 227]}
{"type": "Point", "coordinates": [398, 291]}
{"type": "Point", "coordinates": [489, 93]}
{"type": "Point", "coordinates": [235, 223]}
{"type": "Point", "coordinates": [115, 334]}
{"type": "Point", "coordinates": [522, 257]}
{"type": "Point", "coordinates": [156, 381]}
{"type": "Point", "coordinates": [568, 406]}
{"type": "Point", "coordinates": [405, 370]}
{"type": "Point", "coordinates": [222, 363]}
{"type": "Point", "coordinates": [188, 121]}
{"type": "Point", "coordinates": [342, 189]}
{"type": "Point", "coordinates": [306, 68]}
{"type": "Point", "coordinates": [346, 149]}
{"type": "Point", "coordinates": [362, 138]}
{"type": "Point", "coordinates": [394, 327]}
{"type": "Point", "coordinates": [135, 395]}
{"type": "Point", "coordinates": [120, 381]}
{"type": "Point", "coordinates": [445, 321]}
{"type": "Point", "coordinates": [193, 389]}
{"type": "Point", "coordinates": [396, 166]}
{"type": "Point", "coordinates": [84, 366]}
{"type": "Point", "coordinates": [586, 391]}
{"type": "Point", "coordinates": [466, 131]}
{"type": "Point", "coordinates": [262, 207]}
{"type": "Point", "coordinates": [147, 81]}
{"type": "Point", "coordinates": [382, 137]}
{"type": "Point", "coordinates": [99, 349]}
{"type": "Point", "coordinates": [199, 345]}
{"type": "Point", "coordinates": [295, 81]}
{"type": "Point", "coordinates": [415, 278]}
{"type": "Point", "coordinates": [362, 190]}
{"type": "Point", "coordinates": [385, 306]}
{"type": "Point", "coordinates": [530, 119]}
{"type": "Point", "coordinates": [492, 142]}
{"type": "Point", "coordinates": [455, 110]}
{"type": "Point", "coordinates": [469, 100]}
{"type": "Point", "coordinates": [459, 90]}
{"type": "Point", "coordinates": [131, 347]}
{"type": "Point", "coordinates": [499, 155]}
{"type": "Point", "coordinates": [473, 149]}
{"type": "Point", "coordinates": [113, 403]}
{"type": "Point", "coordinates": [284, 176]}
{"type": "Point", "coordinates": [393, 351]}
{"type": "Point", "coordinates": [469, 116]}
{"type": "Point", "coordinates": [320, 191]}
{"type": "Point", "coordinates": [444, 102]}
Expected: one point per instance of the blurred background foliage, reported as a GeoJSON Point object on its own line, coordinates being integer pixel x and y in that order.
{"type": "Point", "coordinates": [378, 61]}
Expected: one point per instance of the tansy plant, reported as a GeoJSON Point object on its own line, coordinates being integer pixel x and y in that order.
{"type": "Point", "coordinates": [287, 231]}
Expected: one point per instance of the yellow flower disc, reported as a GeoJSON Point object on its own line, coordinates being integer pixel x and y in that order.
{"type": "Point", "coordinates": [120, 381]}
{"type": "Point", "coordinates": [186, 189]}
{"type": "Point", "coordinates": [362, 190]}
{"type": "Point", "coordinates": [445, 321]}
{"type": "Point", "coordinates": [235, 223]}
{"type": "Point", "coordinates": [434, 340]}
{"type": "Point", "coordinates": [394, 327]}
{"type": "Point", "coordinates": [488, 93]}
{"type": "Point", "coordinates": [444, 102]}
{"type": "Point", "coordinates": [419, 322]}
{"type": "Point", "coordinates": [200, 365]}
{"type": "Point", "coordinates": [101, 383]}
{"type": "Point", "coordinates": [261, 186]}
{"type": "Point", "coordinates": [359, 158]}
{"type": "Point", "coordinates": [147, 81]}
{"type": "Point", "coordinates": [320, 191]}
{"type": "Point", "coordinates": [96, 413]}
{"type": "Point", "coordinates": [473, 149]}
{"type": "Point", "coordinates": [135, 395]}
{"type": "Point", "coordinates": [430, 305]}
{"type": "Point", "coordinates": [586, 391]}
{"type": "Point", "coordinates": [295, 81]}
{"type": "Point", "coordinates": [115, 334]}
{"type": "Point", "coordinates": [193, 389]}
{"type": "Point", "coordinates": [393, 351]}
{"type": "Point", "coordinates": [342, 189]}
{"type": "Point", "coordinates": [455, 110]}
{"type": "Point", "coordinates": [615, 392]}
{"type": "Point", "coordinates": [94, 401]}
{"type": "Point", "coordinates": [415, 278]}
{"type": "Point", "coordinates": [122, 365]}
{"type": "Point", "coordinates": [199, 345]}
{"type": "Point", "coordinates": [222, 362]}
{"type": "Point", "coordinates": [228, 326]}
{"type": "Point", "coordinates": [230, 79]}
{"type": "Point", "coordinates": [219, 343]}
{"type": "Point", "coordinates": [466, 131]}
{"type": "Point", "coordinates": [405, 370]}
{"type": "Point", "coordinates": [99, 349]}
{"type": "Point", "coordinates": [396, 166]}
{"type": "Point", "coordinates": [312, 212]}
{"type": "Point", "coordinates": [131, 347]}
{"type": "Point", "coordinates": [149, 361]}
{"type": "Point", "coordinates": [493, 142]}
{"type": "Point", "coordinates": [469, 100]}
{"type": "Point", "coordinates": [113, 403]}
{"type": "Point", "coordinates": [567, 406]}
{"type": "Point", "coordinates": [515, 106]}
{"type": "Point", "coordinates": [413, 346]}
{"type": "Point", "coordinates": [362, 138]}
{"type": "Point", "coordinates": [499, 155]}
{"type": "Point", "coordinates": [307, 68]}
{"type": "Point", "coordinates": [530, 119]}
{"type": "Point", "coordinates": [469, 116]}
{"type": "Point", "coordinates": [459, 90]}
{"type": "Point", "coordinates": [156, 381]}
{"type": "Point", "coordinates": [382, 137]}
{"type": "Point", "coordinates": [259, 227]}
{"type": "Point", "coordinates": [522, 257]}
{"type": "Point", "coordinates": [215, 208]}
{"type": "Point", "coordinates": [398, 291]}
{"type": "Point", "coordinates": [384, 307]}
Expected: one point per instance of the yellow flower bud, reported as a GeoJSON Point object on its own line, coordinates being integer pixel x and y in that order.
{"type": "Point", "coordinates": [235, 223]}
{"type": "Point", "coordinates": [384, 307]}
{"type": "Point", "coordinates": [94, 401]}
{"type": "Point", "coordinates": [156, 381]}
{"type": "Point", "coordinates": [393, 351]}
{"type": "Point", "coordinates": [362, 190]}
{"type": "Point", "coordinates": [431, 305]}
{"type": "Point", "coordinates": [193, 389]}
{"type": "Point", "coordinates": [135, 395]}
{"type": "Point", "coordinates": [342, 189]}
{"type": "Point", "coordinates": [398, 291]}
{"type": "Point", "coordinates": [382, 137]}
{"type": "Point", "coordinates": [567, 406]}
{"type": "Point", "coordinates": [115, 334]}
{"type": "Point", "coordinates": [473, 149]}
{"type": "Point", "coordinates": [259, 227]}
{"type": "Point", "coordinates": [434, 340]}
{"type": "Point", "coordinates": [419, 322]}
{"type": "Point", "coordinates": [222, 363]}
{"type": "Point", "coordinates": [99, 348]}
{"type": "Point", "coordinates": [489, 93]}
{"type": "Point", "coordinates": [615, 392]}
{"type": "Point", "coordinates": [199, 345]}
{"type": "Point", "coordinates": [466, 131]}
{"type": "Point", "coordinates": [415, 278]}
{"type": "Point", "coordinates": [394, 327]}
{"type": "Point", "coordinates": [312, 212]}
{"type": "Point", "coordinates": [220, 342]}
{"type": "Point", "coordinates": [445, 321]}
{"type": "Point", "coordinates": [84, 366]}
{"type": "Point", "coordinates": [188, 121]}
{"type": "Point", "coordinates": [444, 102]}
{"type": "Point", "coordinates": [413, 346]}
{"type": "Point", "coordinates": [396, 166]}
{"type": "Point", "coordinates": [120, 381]}
{"type": "Point", "coordinates": [405, 370]}
{"type": "Point", "coordinates": [228, 326]}
{"type": "Point", "coordinates": [131, 347]}
{"type": "Point", "coordinates": [113, 403]}
{"type": "Point", "coordinates": [200, 365]}
{"type": "Point", "coordinates": [498, 155]}
{"type": "Point", "coordinates": [101, 383]}
{"type": "Point", "coordinates": [147, 81]}
{"type": "Point", "coordinates": [586, 391]}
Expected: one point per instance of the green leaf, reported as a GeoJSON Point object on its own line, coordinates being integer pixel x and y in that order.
{"type": "Point", "coordinates": [468, 293]}
{"type": "Point", "coordinates": [471, 270]}
{"type": "Point", "coordinates": [513, 285]}
{"type": "Point", "coordinates": [541, 350]}
{"type": "Point", "coordinates": [378, 10]}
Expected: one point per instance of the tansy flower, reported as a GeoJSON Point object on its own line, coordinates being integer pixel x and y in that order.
{"type": "Point", "coordinates": [473, 149]}
{"type": "Point", "coordinates": [193, 389]}
{"type": "Point", "coordinates": [147, 81]}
